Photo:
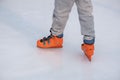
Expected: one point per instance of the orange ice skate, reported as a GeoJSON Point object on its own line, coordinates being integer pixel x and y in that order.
{"type": "Point", "coordinates": [50, 42]}
{"type": "Point", "coordinates": [88, 49]}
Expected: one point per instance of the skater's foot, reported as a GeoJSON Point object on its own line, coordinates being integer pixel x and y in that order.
{"type": "Point", "coordinates": [88, 46]}
{"type": "Point", "coordinates": [88, 49]}
{"type": "Point", "coordinates": [51, 42]}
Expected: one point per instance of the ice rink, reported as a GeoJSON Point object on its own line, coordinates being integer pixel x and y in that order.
{"type": "Point", "coordinates": [23, 22]}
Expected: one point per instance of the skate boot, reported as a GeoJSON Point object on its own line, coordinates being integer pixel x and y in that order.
{"type": "Point", "coordinates": [51, 42]}
{"type": "Point", "coordinates": [88, 47]}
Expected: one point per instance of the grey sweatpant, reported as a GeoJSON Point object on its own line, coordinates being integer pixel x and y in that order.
{"type": "Point", "coordinates": [61, 14]}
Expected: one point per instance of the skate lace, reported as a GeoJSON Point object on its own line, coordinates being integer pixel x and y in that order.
{"type": "Point", "coordinates": [46, 39]}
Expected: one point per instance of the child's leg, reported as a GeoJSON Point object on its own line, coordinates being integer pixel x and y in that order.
{"type": "Point", "coordinates": [87, 26]}
{"type": "Point", "coordinates": [60, 15]}
{"type": "Point", "coordinates": [85, 16]}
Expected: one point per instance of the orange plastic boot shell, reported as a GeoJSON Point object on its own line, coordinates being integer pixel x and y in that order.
{"type": "Point", "coordinates": [54, 42]}
{"type": "Point", "coordinates": [88, 50]}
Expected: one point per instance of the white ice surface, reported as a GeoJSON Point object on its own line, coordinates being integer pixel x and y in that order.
{"type": "Point", "coordinates": [22, 22]}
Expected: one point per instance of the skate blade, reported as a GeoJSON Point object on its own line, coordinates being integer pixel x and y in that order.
{"type": "Point", "coordinates": [50, 47]}
{"type": "Point", "coordinates": [89, 57]}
